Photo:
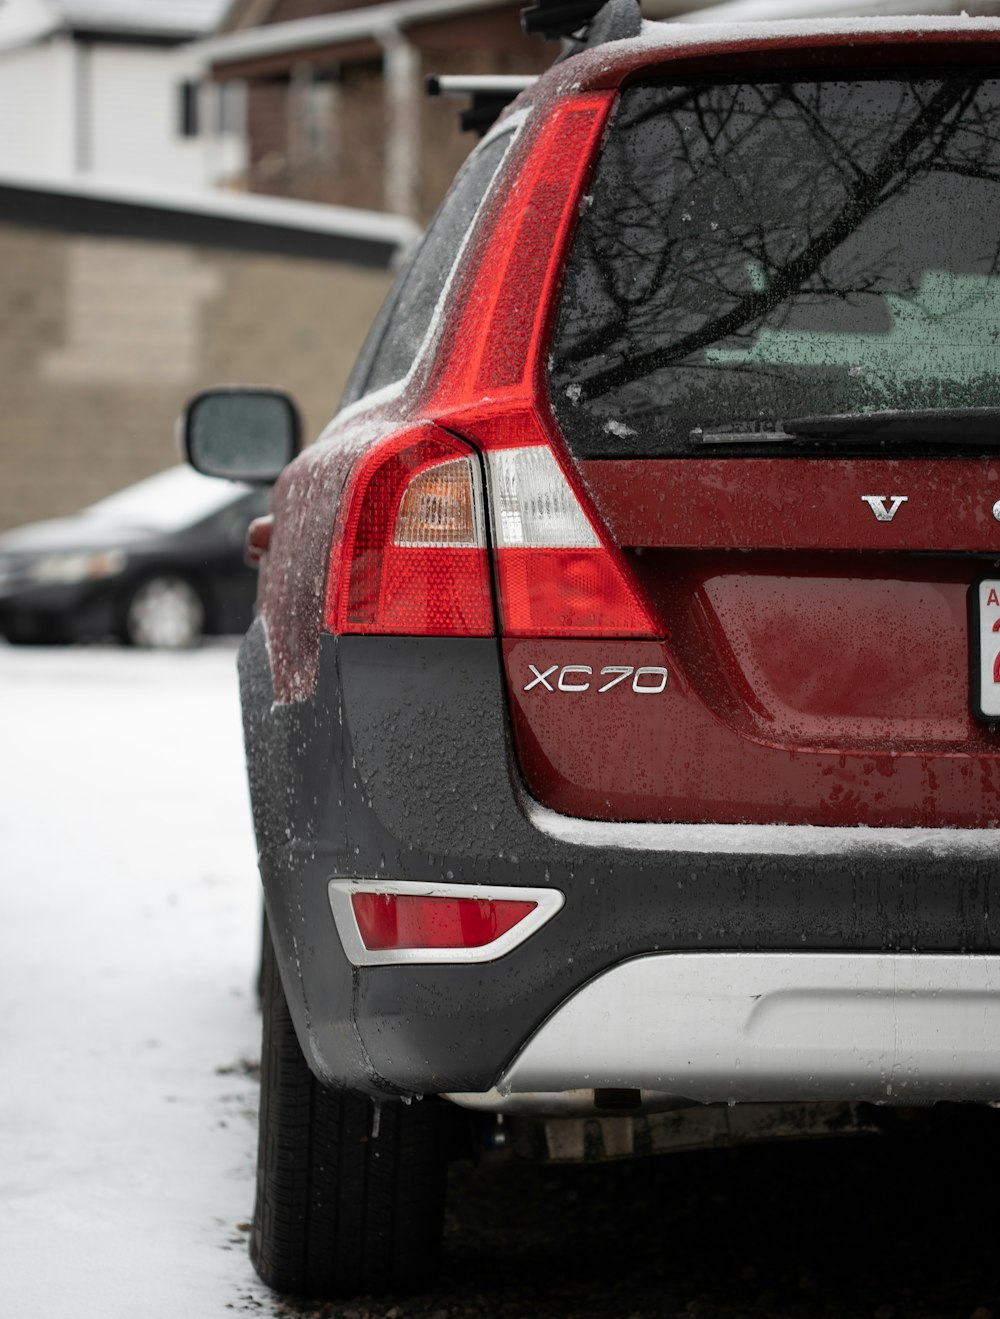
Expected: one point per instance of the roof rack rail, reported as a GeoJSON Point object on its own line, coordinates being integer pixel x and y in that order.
{"type": "Point", "coordinates": [489, 94]}
{"type": "Point", "coordinates": [587, 22]}
{"type": "Point", "coordinates": [597, 20]}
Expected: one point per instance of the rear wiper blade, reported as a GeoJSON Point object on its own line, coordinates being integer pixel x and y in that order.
{"type": "Point", "coordinates": [744, 432]}
{"type": "Point", "coordinates": [926, 426]}
{"type": "Point", "coordinates": [945, 424]}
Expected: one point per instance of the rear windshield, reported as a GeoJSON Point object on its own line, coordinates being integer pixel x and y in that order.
{"type": "Point", "coordinates": [754, 252]}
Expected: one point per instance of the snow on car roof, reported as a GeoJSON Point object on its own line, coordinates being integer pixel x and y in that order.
{"type": "Point", "coordinates": [606, 66]}
{"type": "Point", "coordinates": [177, 498]}
{"type": "Point", "coordinates": [764, 30]}
{"type": "Point", "coordinates": [738, 11]}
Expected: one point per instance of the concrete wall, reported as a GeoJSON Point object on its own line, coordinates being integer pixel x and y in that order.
{"type": "Point", "coordinates": [103, 339]}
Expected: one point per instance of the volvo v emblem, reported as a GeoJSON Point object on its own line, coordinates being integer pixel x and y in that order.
{"type": "Point", "coordinates": [877, 505]}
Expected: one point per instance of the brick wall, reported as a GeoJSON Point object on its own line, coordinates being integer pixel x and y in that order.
{"type": "Point", "coordinates": [344, 165]}
{"type": "Point", "coordinates": [103, 339]}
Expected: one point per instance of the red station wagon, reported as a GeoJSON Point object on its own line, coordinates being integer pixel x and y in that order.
{"type": "Point", "coordinates": [622, 705]}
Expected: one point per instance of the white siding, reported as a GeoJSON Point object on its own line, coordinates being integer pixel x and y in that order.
{"type": "Point", "coordinates": [37, 113]}
{"type": "Point", "coordinates": [72, 109]}
{"type": "Point", "coordinates": [134, 119]}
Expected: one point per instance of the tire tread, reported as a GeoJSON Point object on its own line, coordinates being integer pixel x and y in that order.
{"type": "Point", "coordinates": [338, 1211]}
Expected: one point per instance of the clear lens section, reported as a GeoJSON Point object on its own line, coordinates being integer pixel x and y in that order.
{"type": "Point", "coordinates": [533, 503]}
{"type": "Point", "coordinates": [440, 508]}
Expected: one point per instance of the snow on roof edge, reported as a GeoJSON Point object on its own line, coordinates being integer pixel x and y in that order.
{"type": "Point", "coordinates": [15, 36]}
{"type": "Point", "coordinates": [178, 19]}
{"type": "Point", "coordinates": [315, 217]}
{"type": "Point", "coordinates": [161, 20]}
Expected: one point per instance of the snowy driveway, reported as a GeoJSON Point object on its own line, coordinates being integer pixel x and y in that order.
{"type": "Point", "coordinates": [128, 928]}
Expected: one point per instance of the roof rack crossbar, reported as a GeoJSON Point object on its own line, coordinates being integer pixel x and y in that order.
{"type": "Point", "coordinates": [489, 96]}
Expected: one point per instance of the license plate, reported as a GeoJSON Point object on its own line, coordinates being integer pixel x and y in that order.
{"type": "Point", "coordinates": [986, 640]}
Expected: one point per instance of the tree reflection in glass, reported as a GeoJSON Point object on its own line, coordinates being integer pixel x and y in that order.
{"type": "Point", "coordinates": [757, 251]}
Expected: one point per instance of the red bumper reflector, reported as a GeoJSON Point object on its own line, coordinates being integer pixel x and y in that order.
{"type": "Point", "coordinates": [396, 920]}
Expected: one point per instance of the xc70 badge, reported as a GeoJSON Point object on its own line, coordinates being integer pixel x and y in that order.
{"type": "Point", "coordinates": [646, 680]}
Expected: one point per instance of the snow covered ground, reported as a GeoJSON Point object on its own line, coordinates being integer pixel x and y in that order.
{"type": "Point", "coordinates": [129, 915]}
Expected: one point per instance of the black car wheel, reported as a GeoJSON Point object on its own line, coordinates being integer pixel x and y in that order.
{"type": "Point", "coordinates": [164, 613]}
{"type": "Point", "coordinates": [348, 1200]}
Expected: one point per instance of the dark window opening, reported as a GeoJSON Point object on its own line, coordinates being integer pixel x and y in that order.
{"type": "Point", "coordinates": [188, 125]}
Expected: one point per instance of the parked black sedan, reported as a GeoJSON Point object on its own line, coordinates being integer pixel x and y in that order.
{"type": "Point", "coordinates": [159, 564]}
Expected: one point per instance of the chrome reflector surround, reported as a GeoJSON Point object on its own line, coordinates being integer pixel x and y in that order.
{"type": "Point", "coordinates": [547, 903]}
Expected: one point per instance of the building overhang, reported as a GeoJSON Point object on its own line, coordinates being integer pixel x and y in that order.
{"type": "Point", "coordinates": [257, 51]}
{"type": "Point", "coordinates": [351, 35]}
{"type": "Point", "coordinates": [233, 221]}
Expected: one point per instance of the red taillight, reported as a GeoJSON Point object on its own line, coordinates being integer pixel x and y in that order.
{"type": "Point", "coordinates": [568, 593]}
{"type": "Point", "coordinates": [494, 347]}
{"type": "Point", "coordinates": [556, 576]}
{"type": "Point", "coordinates": [557, 571]}
{"type": "Point", "coordinates": [397, 920]}
{"type": "Point", "coordinates": [411, 556]}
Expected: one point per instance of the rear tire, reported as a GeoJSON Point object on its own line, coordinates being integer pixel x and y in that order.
{"type": "Point", "coordinates": [339, 1210]}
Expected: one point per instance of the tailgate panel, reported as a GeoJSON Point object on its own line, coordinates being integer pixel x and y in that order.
{"type": "Point", "coordinates": [800, 503]}
{"type": "Point", "coordinates": [670, 757]}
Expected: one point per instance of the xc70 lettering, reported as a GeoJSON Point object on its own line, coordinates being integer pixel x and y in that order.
{"type": "Point", "coordinates": [647, 680]}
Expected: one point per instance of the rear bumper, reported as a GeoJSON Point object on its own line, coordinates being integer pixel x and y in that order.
{"type": "Point", "coordinates": [770, 1027]}
{"type": "Point", "coordinates": [398, 766]}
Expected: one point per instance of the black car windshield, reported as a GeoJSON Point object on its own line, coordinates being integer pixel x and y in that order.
{"type": "Point", "coordinates": [758, 251]}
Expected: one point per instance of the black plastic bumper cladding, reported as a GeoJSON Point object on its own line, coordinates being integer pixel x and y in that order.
{"type": "Point", "coordinates": [400, 766]}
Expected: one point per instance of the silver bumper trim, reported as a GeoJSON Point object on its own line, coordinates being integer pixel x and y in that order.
{"type": "Point", "coordinates": [776, 1027]}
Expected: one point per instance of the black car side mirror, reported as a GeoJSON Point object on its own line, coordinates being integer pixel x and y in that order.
{"type": "Point", "coordinates": [242, 434]}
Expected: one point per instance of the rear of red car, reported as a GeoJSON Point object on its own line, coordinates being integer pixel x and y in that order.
{"type": "Point", "coordinates": [622, 710]}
